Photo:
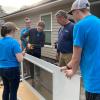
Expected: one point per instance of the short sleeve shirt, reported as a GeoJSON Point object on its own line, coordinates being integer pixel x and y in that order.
{"type": "Point", "coordinates": [9, 47]}
{"type": "Point", "coordinates": [87, 36]}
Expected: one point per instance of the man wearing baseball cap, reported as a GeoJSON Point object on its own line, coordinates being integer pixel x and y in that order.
{"type": "Point", "coordinates": [86, 49]}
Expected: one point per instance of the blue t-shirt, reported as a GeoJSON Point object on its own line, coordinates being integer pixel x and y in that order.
{"type": "Point", "coordinates": [23, 31]}
{"type": "Point", "coordinates": [65, 38]}
{"type": "Point", "coordinates": [87, 36]}
{"type": "Point", "coordinates": [9, 47]}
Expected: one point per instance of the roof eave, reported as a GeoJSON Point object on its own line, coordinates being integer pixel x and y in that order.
{"type": "Point", "coordinates": [41, 7]}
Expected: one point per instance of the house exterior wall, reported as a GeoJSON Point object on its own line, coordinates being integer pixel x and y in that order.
{"type": "Point", "coordinates": [48, 50]}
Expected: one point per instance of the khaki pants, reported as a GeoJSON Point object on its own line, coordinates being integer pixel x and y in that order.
{"type": "Point", "coordinates": [64, 59]}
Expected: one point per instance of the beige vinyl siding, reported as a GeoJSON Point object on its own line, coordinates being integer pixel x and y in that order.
{"type": "Point", "coordinates": [20, 22]}
{"type": "Point", "coordinates": [47, 51]}
{"type": "Point", "coordinates": [51, 52]}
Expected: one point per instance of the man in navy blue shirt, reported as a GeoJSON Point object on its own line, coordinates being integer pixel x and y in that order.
{"type": "Point", "coordinates": [36, 40]}
{"type": "Point", "coordinates": [65, 38]}
{"type": "Point", "coordinates": [34, 44]}
{"type": "Point", "coordinates": [86, 49]}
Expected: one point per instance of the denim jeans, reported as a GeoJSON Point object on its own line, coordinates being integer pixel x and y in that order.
{"type": "Point", "coordinates": [11, 79]}
{"type": "Point", "coordinates": [92, 96]}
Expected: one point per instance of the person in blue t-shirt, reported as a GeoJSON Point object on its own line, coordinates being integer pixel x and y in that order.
{"type": "Point", "coordinates": [86, 50]}
{"type": "Point", "coordinates": [65, 38]}
{"type": "Point", "coordinates": [10, 57]}
{"type": "Point", "coordinates": [25, 30]}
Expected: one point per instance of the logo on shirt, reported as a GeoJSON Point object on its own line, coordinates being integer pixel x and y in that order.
{"type": "Point", "coordinates": [66, 31]}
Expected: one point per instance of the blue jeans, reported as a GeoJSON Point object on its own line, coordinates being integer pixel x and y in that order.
{"type": "Point", "coordinates": [92, 96]}
{"type": "Point", "coordinates": [11, 79]}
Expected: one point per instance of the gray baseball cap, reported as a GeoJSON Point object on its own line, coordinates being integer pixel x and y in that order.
{"type": "Point", "coordinates": [79, 4]}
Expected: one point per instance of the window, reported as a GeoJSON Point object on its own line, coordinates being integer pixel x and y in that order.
{"type": "Point", "coordinates": [47, 19]}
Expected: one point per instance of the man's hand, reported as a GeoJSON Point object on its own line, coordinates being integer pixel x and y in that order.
{"type": "Point", "coordinates": [68, 70]}
{"type": "Point", "coordinates": [30, 46]}
{"type": "Point", "coordinates": [72, 67]}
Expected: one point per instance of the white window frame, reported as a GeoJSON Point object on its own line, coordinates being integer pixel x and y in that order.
{"type": "Point", "coordinates": [50, 13]}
